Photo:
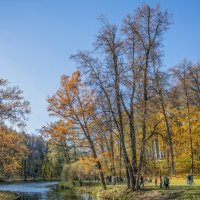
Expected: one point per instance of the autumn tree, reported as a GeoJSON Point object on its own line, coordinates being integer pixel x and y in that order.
{"type": "Point", "coordinates": [13, 106]}
{"type": "Point", "coordinates": [75, 104]}
{"type": "Point", "coordinates": [12, 151]}
{"type": "Point", "coordinates": [120, 112]}
{"type": "Point", "coordinates": [13, 111]}
{"type": "Point", "coordinates": [182, 74]}
{"type": "Point", "coordinates": [62, 135]}
{"type": "Point", "coordinates": [117, 64]}
{"type": "Point", "coordinates": [161, 87]}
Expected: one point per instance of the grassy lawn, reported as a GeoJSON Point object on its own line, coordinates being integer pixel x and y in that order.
{"type": "Point", "coordinates": [179, 190]}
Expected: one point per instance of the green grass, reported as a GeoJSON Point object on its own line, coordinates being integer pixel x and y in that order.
{"type": "Point", "coordinates": [179, 190]}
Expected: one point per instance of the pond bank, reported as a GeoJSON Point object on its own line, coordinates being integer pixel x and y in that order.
{"type": "Point", "coordinates": [5, 195]}
{"type": "Point", "coordinates": [149, 193]}
{"type": "Point", "coordinates": [40, 190]}
{"type": "Point", "coordinates": [28, 180]}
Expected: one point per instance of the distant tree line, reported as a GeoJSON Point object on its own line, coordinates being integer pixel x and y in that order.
{"type": "Point", "coordinates": [23, 156]}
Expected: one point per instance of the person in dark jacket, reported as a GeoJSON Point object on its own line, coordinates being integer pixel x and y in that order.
{"type": "Point", "coordinates": [166, 182]}
{"type": "Point", "coordinates": [156, 182]}
{"type": "Point", "coordinates": [142, 181]}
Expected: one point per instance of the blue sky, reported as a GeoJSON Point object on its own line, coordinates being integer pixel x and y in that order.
{"type": "Point", "coordinates": [38, 36]}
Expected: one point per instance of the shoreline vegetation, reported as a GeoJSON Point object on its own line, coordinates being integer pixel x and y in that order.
{"type": "Point", "coordinates": [7, 195]}
{"type": "Point", "coordinates": [29, 180]}
{"type": "Point", "coordinates": [178, 190]}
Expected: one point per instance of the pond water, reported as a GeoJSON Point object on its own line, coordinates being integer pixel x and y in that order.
{"type": "Point", "coordinates": [43, 191]}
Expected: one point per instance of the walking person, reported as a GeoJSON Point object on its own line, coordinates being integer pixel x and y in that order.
{"type": "Point", "coordinates": [113, 180]}
{"type": "Point", "coordinates": [166, 182]}
{"type": "Point", "coordinates": [190, 179]}
{"type": "Point", "coordinates": [142, 181]}
{"type": "Point", "coordinates": [156, 182]}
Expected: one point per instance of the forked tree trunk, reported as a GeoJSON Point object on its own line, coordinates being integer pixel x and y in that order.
{"type": "Point", "coordinates": [98, 164]}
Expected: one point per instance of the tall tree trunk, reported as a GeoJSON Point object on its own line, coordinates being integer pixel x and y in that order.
{"type": "Point", "coordinates": [120, 159]}
{"type": "Point", "coordinates": [25, 170]}
{"type": "Point", "coordinates": [98, 164]}
{"type": "Point", "coordinates": [167, 123]}
{"type": "Point", "coordinates": [112, 155]}
{"type": "Point", "coordinates": [101, 175]}
{"type": "Point", "coordinates": [190, 134]}
{"type": "Point", "coordinates": [144, 118]}
{"type": "Point", "coordinates": [133, 146]}
{"type": "Point", "coordinates": [127, 179]}
{"type": "Point", "coordinates": [169, 137]}
{"type": "Point", "coordinates": [121, 128]}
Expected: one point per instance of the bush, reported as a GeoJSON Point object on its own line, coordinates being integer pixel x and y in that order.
{"type": "Point", "coordinates": [76, 171]}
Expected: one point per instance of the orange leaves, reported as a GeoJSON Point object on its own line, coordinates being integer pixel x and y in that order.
{"type": "Point", "coordinates": [71, 83]}
{"type": "Point", "coordinates": [83, 143]}
{"type": "Point", "coordinates": [88, 162]}
{"type": "Point", "coordinates": [75, 104]}
{"type": "Point", "coordinates": [72, 100]}
{"type": "Point", "coordinates": [72, 103]}
{"type": "Point", "coordinates": [12, 150]}
{"type": "Point", "coordinates": [59, 131]}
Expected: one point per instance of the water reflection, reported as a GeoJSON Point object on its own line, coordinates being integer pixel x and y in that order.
{"type": "Point", "coordinates": [53, 195]}
{"type": "Point", "coordinates": [43, 191]}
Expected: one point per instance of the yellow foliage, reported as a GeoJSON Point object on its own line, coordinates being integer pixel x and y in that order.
{"type": "Point", "coordinates": [12, 151]}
